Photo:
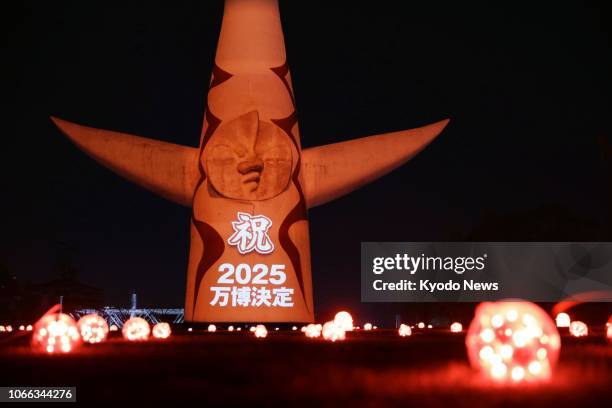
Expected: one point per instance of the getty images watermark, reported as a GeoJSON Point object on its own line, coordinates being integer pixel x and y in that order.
{"type": "Point", "coordinates": [479, 271]}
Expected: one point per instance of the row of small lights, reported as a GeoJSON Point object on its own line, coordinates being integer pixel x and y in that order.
{"type": "Point", "coordinates": [506, 341]}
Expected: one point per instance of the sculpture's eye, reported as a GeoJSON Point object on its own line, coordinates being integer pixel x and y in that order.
{"type": "Point", "coordinates": [223, 155]}
{"type": "Point", "coordinates": [278, 156]}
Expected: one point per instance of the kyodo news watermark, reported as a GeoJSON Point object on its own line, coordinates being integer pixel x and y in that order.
{"type": "Point", "coordinates": [479, 271]}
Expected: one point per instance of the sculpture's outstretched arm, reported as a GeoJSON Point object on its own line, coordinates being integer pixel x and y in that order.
{"type": "Point", "coordinates": [166, 169]}
{"type": "Point", "coordinates": [334, 170]}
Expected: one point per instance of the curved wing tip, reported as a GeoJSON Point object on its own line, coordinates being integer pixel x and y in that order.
{"type": "Point", "coordinates": [438, 127]}
{"type": "Point", "coordinates": [60, 123]}
{"type": "Point", "coordinates": [443, 123]}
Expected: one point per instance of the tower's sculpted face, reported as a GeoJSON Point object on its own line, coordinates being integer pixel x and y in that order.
{"type": "Point", "coordinates": [248, 159]}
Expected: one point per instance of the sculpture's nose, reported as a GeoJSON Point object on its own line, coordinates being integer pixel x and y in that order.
{"type": "Point", "coordinates": [251, 164]}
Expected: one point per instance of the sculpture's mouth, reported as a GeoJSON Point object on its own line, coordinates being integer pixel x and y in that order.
{"type": "Point", "coordinates": [251, 180]}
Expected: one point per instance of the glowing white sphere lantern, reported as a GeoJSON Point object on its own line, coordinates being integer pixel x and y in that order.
{"type": "Point", "coordinates": [609, 332]}
{"type": "Point", "coordinates": [404, 330]}
{"type": "Point", "coordinates": [260, 331]}
{"type": "Point", "coordinates": [231, 328]}
{"type": "Point", "coordinates": [332, 332]}
{"type": "Point", "coordinates": [344, 320]}
{"type": "Point", "coordinates": [161, 330]}
{"type": "Point", "coordinates": [22, 327]}
{"type": "Point", "coordinates": [212, 328]}
{"type": "Point", "coordinates": [29, 327]}
{"type": "Point", "coordinates": [2, 329]}
{"type": "Point", "coordinates": [9, 328]}
{"type": "Point", "coordinates": [578, 329]}
{"type": "Point", "coordinates": [562, 320]}
{"type": "Point", "coordinates": [313, 330]}
{"type": "Point", "coordinates": [136, 329]}
{"type": "Point", "coordinates": [456, 327]}
{"type": "Point", "coordinates": [93, 328]}
{"type": "Point", "coordinates": [513, 342]}
{"type": "Point", "coordinates": [113, 327]}
{"type": "Point", "coordinates": [367, 326]}
{"type": "Point", "coordinates": [421, 325]}
{"type": "Point", "coordinates": [56, 333]}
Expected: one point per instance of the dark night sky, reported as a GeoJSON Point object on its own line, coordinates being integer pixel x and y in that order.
{"type": "Point", "coordinates": [527, 90]}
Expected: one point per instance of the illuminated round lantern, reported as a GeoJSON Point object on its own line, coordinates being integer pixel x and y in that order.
{"type": "Point", "coordinates": [456, 327]}
{"type": "Point", "coordinates": [239, 328]}
{"type": "Point", "coordinates": [294, 328]}
{"type": "Point", "coordinates": [344, 320]}
{"type": "Point", "coordinates": [404, 330]}
{"type": "Point", "coordinates": [333, 332]}
{"type": "Point", "coordinates": [513, 342]}
{"type": "Point", "coordinates": [190, 329]}
{"type": "Point", "coordinates": [93, 328]}
{"type": "Point", "coordinates": [113, 327]}
{"type": "Point", "coordinates": [260, 331]}
{"type": "Point", "coordinates": [9, 328]}
{"type": "Point", "coordinates": [29, 327]}
{"type": "Point", "coordinates": [421, 325]}
{"type": "Point", "coordinates": [231, 328]}
{"type": "Point", "coordinates": [313, 330]}
{"type": "Point", "coordinates": [56, 333]}
{"type": "Point", "coordinates": [212, 328]}
{"type": "Point", "coordinates": [161, 330]}
{"type": "Point", "coordinates": [2, 329]}
{"type": "Point", "coordinates": [578, 329]}
{"type": "Point", "coordinates": [367, 326]}
{"type": "Point", "coordinates": [609, 329]}
{"type": "Point", "coordinates": [136, 329]}
{"type": "Point", "coordinates": [252, 328]}
{"type": "Point", "coordinates": [562, 320]}
{"type": "Point", "coordinates": [21, 328]}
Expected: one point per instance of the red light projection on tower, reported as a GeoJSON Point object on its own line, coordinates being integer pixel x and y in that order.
{"type": "Point", "coordinates": [250, 183]}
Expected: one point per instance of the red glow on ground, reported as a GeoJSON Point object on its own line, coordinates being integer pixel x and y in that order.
{"type": "Point", "coordinates": [161, 330]}
{"type": "Point", "coordinates": [562, 320]}
{"type": "Point", "coordinates": [260, 331]}
{"type": "Point", "coordinates": [578, 329]}
{"type": "Point", "coordinates": [93, 328]}
{"type": "Point", "coordinates": [56, 333]}
{"type": "Point", "coordinates": [333, 332]}
{"type": "Point", "coordinates": [404, 330]}
{"type": "Point", "coordinates": [513, 342]}
{"type": "Point", "coordinates": [313, 330]}
{"type": "Point", "coordinates": [344, 320]}
{"type": "Point", "coordinates": [456, 327]}
{"type": "Point", "coordinates": [136, 329]}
